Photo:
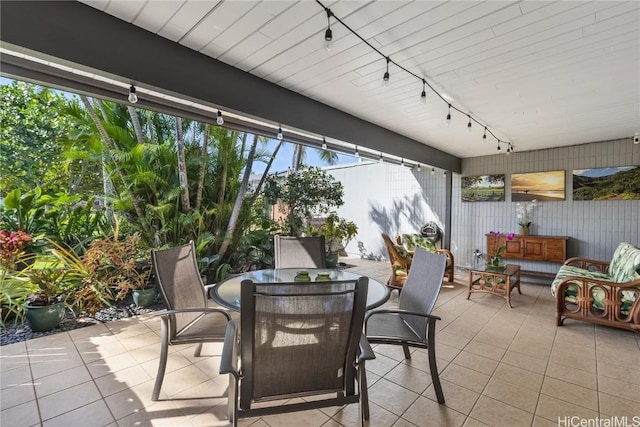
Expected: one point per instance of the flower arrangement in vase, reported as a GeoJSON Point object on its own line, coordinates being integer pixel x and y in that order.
{"type": "Point", "coordinates": [495, 262]}
{"type": "Point", "coordinates": [524, 213]}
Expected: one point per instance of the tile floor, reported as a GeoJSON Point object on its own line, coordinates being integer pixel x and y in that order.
{"type": "Point", "coordinates": [498, 366]}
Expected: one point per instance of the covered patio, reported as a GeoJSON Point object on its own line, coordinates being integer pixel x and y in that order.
{"type": "Point", "coordinates": [498, 367]}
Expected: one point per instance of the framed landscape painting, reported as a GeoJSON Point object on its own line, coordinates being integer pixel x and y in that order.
{"type": "Point", "coordinates": [483, 188]}
{"type": "Point", "coordinates": [617, 183]}
{"type": "Point", "coordinates": [542, 186]}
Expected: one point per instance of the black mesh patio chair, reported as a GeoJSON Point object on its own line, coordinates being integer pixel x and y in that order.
{"type": "Point", "coordinates": [297, 340]}
{"type": "Point", "coordinates": [412, 324]}
{"type": "Point", "coordinates": [187, 319]}
{"type": "Point", "coordinates": [299, 252]}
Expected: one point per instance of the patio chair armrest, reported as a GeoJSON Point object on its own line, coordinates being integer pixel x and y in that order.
{"type": "Point", "coordinates": [204, 310]}
{"type": "Point", "coordinates": [398, 311]}
{"type": "Point", "coordinates": [229, 358]}
{"type": "Point", "coordinates": [366, 352]}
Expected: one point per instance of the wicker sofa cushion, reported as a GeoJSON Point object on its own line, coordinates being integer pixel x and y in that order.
{"type": "Point", "coordinates": [411, 241]}
{"type": "Point", "coordinates": [625, 263]}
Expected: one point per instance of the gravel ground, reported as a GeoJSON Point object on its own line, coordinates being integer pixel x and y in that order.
{"type": "Point", "coordinates": [17, 331]}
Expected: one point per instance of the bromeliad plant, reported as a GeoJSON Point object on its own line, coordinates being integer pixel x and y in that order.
{"type": "Point", "coordinates": [13, 245]}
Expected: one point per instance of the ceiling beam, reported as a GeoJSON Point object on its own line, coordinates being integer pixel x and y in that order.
{"type": "Point", "coordinates": [74, 34]}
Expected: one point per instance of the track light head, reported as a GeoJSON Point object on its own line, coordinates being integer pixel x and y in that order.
{"type": "Point", "coordinates": [380, 159]}
{"type": "Point", "coordinates": [423, 95]}
{"type": "Point", "coordinates": [385, 78]}
{"type": "Point", "coordinates": [133, 98]}
{"type": "Point", "coordinates": [328, 39]}
{"type": "Point", "coordinates": [324, 143]}
{"type": "Point", "coordinates": [279, 134]}
{"type": "Point", "coordinates": [469, 124]}
{"type": "Point", "coordinates": [356, 153]}
{"type": "Point", "coordinates": [433, 171]}
{"type": "Point", "coordinates": [220, 119]}
{"type": "Point", "coordinates": [418, 167]}
{"type": "Point", "coordinates": [449, 116]}
{"type": "Point", "coordinates": [484, 136]}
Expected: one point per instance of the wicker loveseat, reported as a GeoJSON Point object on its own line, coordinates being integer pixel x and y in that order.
{"type": "Point", "coordinates": [601, 292]}
{"type": "Point", "coordinates": [401, 253]}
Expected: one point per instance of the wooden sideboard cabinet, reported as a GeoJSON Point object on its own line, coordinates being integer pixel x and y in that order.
{"type": "Point", "coordinates": [534, 248]}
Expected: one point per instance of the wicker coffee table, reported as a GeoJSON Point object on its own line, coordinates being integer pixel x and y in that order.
{"type": "Point", "coordinates": [485, 279]}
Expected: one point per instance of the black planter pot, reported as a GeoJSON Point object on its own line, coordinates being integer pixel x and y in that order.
{"type": "Point", "coordinates": [42, 318]}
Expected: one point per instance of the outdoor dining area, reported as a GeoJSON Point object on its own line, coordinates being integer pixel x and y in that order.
{"type": "Point", "coordinates": [472, 362]}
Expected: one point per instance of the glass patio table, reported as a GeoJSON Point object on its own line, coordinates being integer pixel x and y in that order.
{"type": "Point", "coordinates": [227, 293]}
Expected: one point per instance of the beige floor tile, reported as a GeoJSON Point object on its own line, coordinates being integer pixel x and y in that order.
{"type": "Point", "coordinates": [49, 343]}
{"type": "Point", "coordinates": [554, 409]}
{"type": "Point", "coordinates": [121, 380]}
{"type": "Point", "coordinates": [425, 412]}
{"type": "Point", "coordinates": [570, 392]}
{"type": "Point", "coordinates": [381, 365]}
{"type": "Point", "coordinates": [511, 394]}
{"type": "Point", "coordinates": [175, 361]}
{"type": "Point", "coordinates": [496, 413]}
{"type": "Point", "coordinates": [465, 377]}
{"type": "Point", "coordinates": [136, 399]}
{"type": "Point", "coordinates": [96, 414]}
{"type": "Point", "coordinates": [310, 418]}
{"type": "Point", "coordinates": [14, 377]}
{"type": "Point", "coordinates": [623, 356]}
{"type": "Point", "coordinates": [62, 380]}
{"type": "Point", "coordinates": [582, 334]}
{"type": "Point", "coordinates": [108, 347]}
{"type": "Point", "coordinates": [18, 348]}
{"type": "Point", "coordinates": [621, 373]}
{"type": "Point", "coordinates": [68, 399]}
{"type": "Point", "coordinates": [629, 391]}
{"type": "Point", "coordinates": [152, 417]}
{"type": "Point", "coordinates": [17, 395]}
{"type": "Point", "coordinates": [182, 379]}
{"type": "Point", "coordinates": [456, 397]}
{"type": "Point", "coordinates": [617, 406]}
{"type": "Point", "coordinates": [472, 422]}
{"type": "Point", "coordinates": [455, 341]}
{"type": "Point", "coordinates": [391, 396]}
{"type": "Point", "coordinates": [22, 415]}
{"type": "Point", "coordinates": [579, 357]}
{"type": "Point", "coordinates": [43, 366]}
{"type": "Point", "coordinates": [518, 376]}
{"type": "Point", "coordinates": [532, 347]}
{"type": "Point", "coordinates": [350, 416]}
{"type": "Point", "coordinates": [485, 350]}
{"type": "Point", "coordinates": [109, 365]}
{"type": "Point", "coordinates": [217, 417]}
{"type": "Point", "coordinates": [93, 331]}
{"type": "Point", "coordinates": [394, 352]}
{"type": "Point", "coordinates": [414, 379]}
{"type": "Point", "coordinates": [10, 362]}
{"type": "Point", "coordinates": [476, 362]}
{"type": "Point", "coordinates": [525, 361]}
{"type": "Point", "coordinates": [126, 328]}
{"type": "Point", "coordinates": [140, 340]}
{"type": "Point", "coordinates": [543, 422]}
{"type": "Point", "coordinates": [572, 375]}
{"type": "Point", "coordinates": [494, 337]}
{"type": "Point", "coordinates": [210, 365]}
{"type": "Point", "coordinates": [446, 352]}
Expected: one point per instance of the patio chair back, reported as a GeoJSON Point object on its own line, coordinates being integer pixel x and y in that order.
{"type": "Point", "coordinates": [422, 288]}
{"type": "Point", "coordinates": [295, 340]}
{"type": "Point", "coordinates": [299, 252]}
{"type": "Point", "coordinates": [180, 284]}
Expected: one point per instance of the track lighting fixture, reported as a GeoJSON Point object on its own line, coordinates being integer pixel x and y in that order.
{"type": "Point", "coordinates": [402, 162]}
{"type": "Point", "coordinates": [380, 159]}
{"type": "Point", "coordinates": [324, 143]}
{"type": "Point", "coordinates": [499, 145]}
{"type": "Point", "coordinates": [279, 135]}
{"type": "Point", "coordinates": [433, 171]}
{"type": "Point", "coordinates": [425, 83]}
{"type": "Point", "coordinates": [133, 98]}
{"type": "Point", "coordinates": [418, 167]}
{"type": "Point", "coordinates": [328, 35]}
{"type": "Point", "coordinates": [356, 153]}
{"type": "Point", "coordinates": [385, 78]}
{"type": "Point", "coordinates": [220, 119]}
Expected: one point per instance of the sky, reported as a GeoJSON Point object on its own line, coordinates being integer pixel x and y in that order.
{"type": "Point", "coordinates": [283, 159]}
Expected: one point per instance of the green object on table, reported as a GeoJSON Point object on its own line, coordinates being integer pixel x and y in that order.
{"type": "Point", "coordinates": [302, 276]}
{"type": "Point", "coordinates": [323, 277]}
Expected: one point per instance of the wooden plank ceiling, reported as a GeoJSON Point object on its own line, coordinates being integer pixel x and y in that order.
{"type": "Point", "coordinates": [538, 73]}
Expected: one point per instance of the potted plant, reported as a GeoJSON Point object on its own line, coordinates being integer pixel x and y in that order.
{"type": "Point", "coordinates": [524, 213]}
{"type": "Point", "coordinates": [337, 233]}
{"type": "Point", "coordinates": [45, 308]}
{"type": "Point", "coordinates": [122, 266]}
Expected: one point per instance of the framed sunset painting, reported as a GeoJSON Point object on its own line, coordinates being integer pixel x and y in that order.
{"type": "Point", "coordinates": [543, 186]}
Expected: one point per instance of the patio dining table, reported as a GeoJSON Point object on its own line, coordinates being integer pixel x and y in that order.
{"type": "Point", "coordinates": [227, 292]}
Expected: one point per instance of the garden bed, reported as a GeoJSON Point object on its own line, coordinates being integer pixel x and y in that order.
{"type": "Point", "coordinates": [14, 332]}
